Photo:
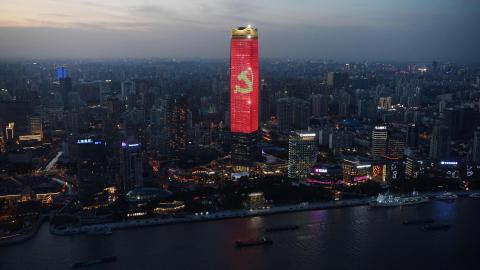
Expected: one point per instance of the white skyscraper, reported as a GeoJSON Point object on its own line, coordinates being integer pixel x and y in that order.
{"type": "Point", "coordinates": [379, 141]}
{"type": "Point", "coordinates": [302, 154]}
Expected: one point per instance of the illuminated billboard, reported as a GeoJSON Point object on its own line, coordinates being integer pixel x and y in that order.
{"type": "Point", "coordinates": [244, 80]}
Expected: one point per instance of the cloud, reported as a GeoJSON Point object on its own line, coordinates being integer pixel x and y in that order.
{"type": "Point", "coordinates": [378, 29]}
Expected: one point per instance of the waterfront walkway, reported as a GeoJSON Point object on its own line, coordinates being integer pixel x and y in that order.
{"type": "Point", "coordinates": [210, 216]}
{"type": "Point", "coordinates": [219, 215]}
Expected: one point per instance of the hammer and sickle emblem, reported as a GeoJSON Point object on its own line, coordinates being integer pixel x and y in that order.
{"type": "Point", "coordinates": [243, 76]}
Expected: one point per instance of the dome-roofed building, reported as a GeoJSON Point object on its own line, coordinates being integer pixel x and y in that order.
{"type": "Point", "coordinates": [147, 194]}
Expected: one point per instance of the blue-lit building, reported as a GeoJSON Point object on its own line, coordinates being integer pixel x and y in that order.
{"type": "Point", "coordinates": [65, 85]}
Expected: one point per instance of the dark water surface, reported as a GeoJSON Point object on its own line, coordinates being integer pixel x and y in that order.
{"type": "Point", "coordinates": [346, 238]}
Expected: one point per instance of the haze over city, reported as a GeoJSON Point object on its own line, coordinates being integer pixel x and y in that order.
{"type": "Point", "coordinates": [226, 134]}
{"type": "Point", "coordinates": [342, 29]}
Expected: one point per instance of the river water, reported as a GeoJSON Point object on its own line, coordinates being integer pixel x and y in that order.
{"type": "Point", "coordinates": [343, 238]}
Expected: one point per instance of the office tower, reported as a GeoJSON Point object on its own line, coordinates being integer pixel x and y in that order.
{"type": "Point", "coordinates": [343, 100]}
{"type": "Point", "coordinates": [35, 125]}
{"type": "Point", "coordinates": [413, 167]}
{"type": "Point", "coordinates": [65, 85]}
{"type": "Point", "coordinates": [264, 102]}
{"type": "Point", "coordinates": [285, 114]}
{"type": "Point", "coordinates": [379, 141]}
{"type": "Point", "coordinates": [302, 154]}
{"type": "Point", "coordinates": [340, 140]}
{"type": "Point", "coordinates": [131, 166]}
{"type": "Point", "coordinates": [454, 120]}
{"type": "Point", "coordinates": [396, 145]}
{"type": "Point", "coordinates": [244, 80]}
{"type": "Point", "coordinates": [128, 95]}
{"type": "Point", "coordinates": [73, 121]}
{"type": "Point", "coordinates": [62, 72]}
{"type": "Point", "coordinates": [244, 95]}
{"type": "Point", "coordinates": [73, 100]}
{"type": "Point", "coordinates": [108, 90]}
{"type": "Point", "coordinates": [158, 127]}
{"type": "Point", "coordinates": [476, 146]}
{"type": "Point", "coordinates": [244, 150]}
{"type": "Point", "coordinates": [177, 127]}
{"type": "Point", "coordinates": [127, 89]}
{"type": "Point", "coordinates": [9, 131]}
{"type": "Point", "coordinates": [90, 92]}
{"type": "Point", "coordinates": [440, 142]}
{"type": "Point", "coordinates": [337, 80]}
{"type": "Point", "coordinates": [319, 105]}
{"type": "Point", "coordinates": [385, 102]}
{"type": "Point", "coordinates": [301, 113]}
{"type": "Point", "coordinates": [412, 136]}
{"type": "Point", "coordinates": [442, 106]}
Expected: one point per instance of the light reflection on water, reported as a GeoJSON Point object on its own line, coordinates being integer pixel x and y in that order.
{"type": "Point", "coordinates": [347, 238]}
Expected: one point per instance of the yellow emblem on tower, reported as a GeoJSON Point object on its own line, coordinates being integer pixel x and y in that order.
{"type": "Point", "coordinates": [248, 80]}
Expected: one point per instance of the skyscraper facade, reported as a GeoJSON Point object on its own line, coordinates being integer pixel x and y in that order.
{"type": "Point", "coordinates": [177, 127]}
{"type": "Point", "coordinates": [285, 114]}
{"type": "Point", "coordinates": [244, 96]}
{"type": "Point", "coordinates": [131, 166]}
{"type": "Point", "coordinates": [65, 85]}
{"type": "Point", "coordinates": [476, 146]}
{"type": "Point", "coordinates": [244, 80]}
{"type": "Point", "coordinates": [302, 154]}
{"type": "Point", "coordinates": [379, 141]}
{"type": "Point", "coordinates": [264, 103]}
{"type": "Point", "coordinates": [412, 136]}
{"type": "Point", "coordinates": [440, 142]}
{"type": "Point", "coordinates": [396, 145]}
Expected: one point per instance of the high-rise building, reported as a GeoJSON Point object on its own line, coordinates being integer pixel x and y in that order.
{"type": "Point", "coordinates": [454, 120]}
{"type": "Point", "coordinates": [127, 89]}
{"type": "Point", "coordinates": [412, 136]}
{"type": "Point", "coordinates": [244, 96]}
{"type": "Point", "coordinates": [301, 114]}
{"type": "Point", "coordinates": [35, 125]}
{"type": "Point", "coordinates": [302, 154]}
{"type": "Point", "coordinates": [396, 145]}
{"type": "Point", "coordinates": [319, 105]}
{"type": "Point", "coordinates": [244, 80]}
{"type": "Point", "coordinates": [366, 108]}
{"type": "Point", "coordinates": [385, 102]}
{"type": "Point", "coordinates": [65, 85]}
{"type": "Point", "coordinates": [379, 141]}
{"type": "Point", "coordinates": [177, 126]}
{"type": "Point", "coordinates": [440, 142]}
{"type": "Point", "coordinates": [264, 102]}
{"type": "Point", "coordinates": [413, 167]}
{"type": "Point", "coordinates": [337, 79]}
{"type": "Point", "coordinates": [285, 114]}
{"type": "Point", "coordinates": [10, 131]}
{"type": "Point", "coordinates": [476, 146]}
{"type": "Point", "coordinates": [131, 166]}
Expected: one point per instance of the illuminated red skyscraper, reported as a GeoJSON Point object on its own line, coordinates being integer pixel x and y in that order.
{"type": "Point", "coordinates": [244, 96]}
{"type": "Point", "coordinates": [244, 80]}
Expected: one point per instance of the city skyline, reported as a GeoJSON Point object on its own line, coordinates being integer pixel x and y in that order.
{"type": "Point", "coordinates": [375, 30]}
{"type": "Point", "coordinates": [209, 134]}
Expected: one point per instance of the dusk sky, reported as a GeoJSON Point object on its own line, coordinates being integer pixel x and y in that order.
{"type": "Point", "coordinates": [335, 29]}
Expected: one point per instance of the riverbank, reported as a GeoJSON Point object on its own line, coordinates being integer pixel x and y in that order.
{"type": "Point", "coordinates": [21, 237]}
{"type": "Point", "coordinates": [206, 216]}
{"type": "Point", "coordinates": [227, 214]}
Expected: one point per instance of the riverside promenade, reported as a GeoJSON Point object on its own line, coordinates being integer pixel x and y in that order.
{"type": "Point", "coordinates": [211, 216]}
{"type": "Point", "coordinates": [219, 215]}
